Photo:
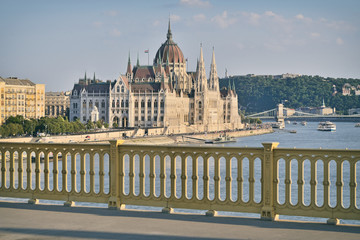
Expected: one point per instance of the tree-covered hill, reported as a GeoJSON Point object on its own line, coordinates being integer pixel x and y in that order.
{"type": "Point", "coordinates": [260, 93]}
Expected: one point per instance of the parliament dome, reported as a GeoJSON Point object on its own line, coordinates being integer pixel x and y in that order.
{"type": "Point", "coordinates": [170, 51]}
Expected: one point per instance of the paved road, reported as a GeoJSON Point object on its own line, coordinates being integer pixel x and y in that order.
{"type": "Point", "coordinates": [24, 221]}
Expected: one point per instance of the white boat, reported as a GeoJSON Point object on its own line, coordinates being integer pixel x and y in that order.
{"type": "Point", "coordinates": [221, 139]}
{"type": "Point", "coordinates": [288, 122]}
{"type": "Point", "coordinates": [357, 125]}
{"type": "Point", "coordinates": [303, 123]}
{"type": "Point", "coordinates": [326, 126]}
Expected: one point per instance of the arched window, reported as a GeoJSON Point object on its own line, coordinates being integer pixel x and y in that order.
{"type": "Point", "coordinates": [90, 104]}
{"type": "Point", "coordinates": [149, 104]}
{"type": "Point", "coordinates": [126, 103]}
{"type": "Point", "coordinates": [200, 104]}
{"type": "Point", "coordinates": [117, 103]}
{"type": "Point", "coordinates": [136, 103]}
{"type": "Point", "coordinates": [142, 104]}
{"type": "Point", "coordinates": [122, 89]}
{"type": "Point", "coordinates": [162, 103]}
{"type": "Point", "coordinates": [155, 104]}
{"type": "Point", "coordinates": [122, 103]}
{"type": "Point", "coordinates": [103, 103]}
{"type": "Point", "coordinates": [113, 103]}
{"type": "Point", "coordinates": [228, 106]}
{"type": "Point", "coordinates": [118, 89]}
{"type": "Point", "coordinates": [97, 104]}
{"type": "Point", "coordinates": [84, 104]}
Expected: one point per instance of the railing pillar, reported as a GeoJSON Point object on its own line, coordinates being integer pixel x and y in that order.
{"type": "Point", "coordinates": [268, 194]}
{"type": "Point", "coordinates": [114, 200]}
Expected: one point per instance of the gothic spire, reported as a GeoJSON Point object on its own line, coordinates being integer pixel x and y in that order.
{"type": "Point", "coordinates": [214, 79]}
{"type": "Point", "coordinates": [94, 77]}
{"type": "Point", "coordinates": [137, 61]}
{"type": "Point", "coordinates": [128, 70]}
{"type": "Point", "coordinates": [169, 34]}
{"type": "Point", "coordinates": [201, 75]}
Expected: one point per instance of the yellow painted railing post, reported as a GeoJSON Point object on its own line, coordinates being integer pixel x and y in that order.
{"type": "Point", "coordinates": [268, 194]}
{"type": "Point", "coordinates": [114, 200]}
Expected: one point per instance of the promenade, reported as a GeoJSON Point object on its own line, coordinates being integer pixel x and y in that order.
{"type": "Point", "coordinates": [25, 221]}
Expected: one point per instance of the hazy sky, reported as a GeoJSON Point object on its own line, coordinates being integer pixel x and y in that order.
{"type": "Point", "coordinates": [55, 42]}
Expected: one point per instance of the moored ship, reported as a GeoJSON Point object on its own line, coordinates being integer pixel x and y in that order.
{"type": "Point", "coordinates": [326, 126]}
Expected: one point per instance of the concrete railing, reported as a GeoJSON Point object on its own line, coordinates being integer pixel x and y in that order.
{"type": "Point", "coordinates": [267, 180]}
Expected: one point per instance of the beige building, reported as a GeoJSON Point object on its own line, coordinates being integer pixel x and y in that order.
{"type": "Point", "coordinates": [57, 103]}
{"type": "Point", "coordinates": [162, 95]}
{"type": "Point", "coordinates": [21, 97]}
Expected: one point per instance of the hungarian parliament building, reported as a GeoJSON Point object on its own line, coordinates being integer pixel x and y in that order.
{"type": "Point", "coordinates": [163, 95]}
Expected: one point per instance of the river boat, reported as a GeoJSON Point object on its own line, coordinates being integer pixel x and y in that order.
{"type": "Point", "coordinates": [288, 122]}
{"type": "Point", "coordinates": [221, 139]}
{"type": "Point", "coordinates": [304, 123]}
{"type": "Point", "coordinates": [278, 125]}
{"type": "Point", "coordinates": [357, 125]}
{"type": "Point", "coordinates": [293, 131]}
{"type": "Point", "coordinates": [326, 126]}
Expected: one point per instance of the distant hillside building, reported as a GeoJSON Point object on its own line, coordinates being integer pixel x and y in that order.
{"type": "Point", "coordinates": [57, 103]}
{"type": "Point", "coordinates": [21, 97]}
{"type": "Point", "coordinates": [348, 90]}
{"type": "Point", "coordinates": [161, 95]}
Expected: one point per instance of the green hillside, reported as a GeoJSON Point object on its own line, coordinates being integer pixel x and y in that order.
{"type": "Point", "coordinates": [260, 93]}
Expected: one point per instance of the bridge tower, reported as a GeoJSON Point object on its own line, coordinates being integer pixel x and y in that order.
{"type": "Point", "coordinates": [280, 115]}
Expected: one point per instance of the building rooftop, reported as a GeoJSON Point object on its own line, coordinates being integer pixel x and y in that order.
{"type": "Point", "coordinates": [16, 81]}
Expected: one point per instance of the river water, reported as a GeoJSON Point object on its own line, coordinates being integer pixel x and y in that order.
{"type": "Point", "coordinates": [346, 136]}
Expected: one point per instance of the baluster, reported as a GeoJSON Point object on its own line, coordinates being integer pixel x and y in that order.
{"type": "Point", "coordinates": [206, 177]}
{"type": "Point", "coordinates": [228, 179]}
{"type": "Point", "coordinates": [64, 173]}
{"type": "Point", "coordinates": [142, 175]}
{"type": "Point", "coordinates": [240, 180]}
{"type": "Point", "coordinates": [82, 172]}
{"type": "Point", "coordinates": [92, 173]}
{"type": "Point", "coordinates": [326, 183]}
{"type": "Point", "coordinates": [287, 181]}
{"type": "Point", "coordinates": [300, 182]}
{"type": "Point", "coordinates": [339, 184]}
{"type": "Point", "coordinates": [162, 176]}
{"type": "Point", "coordinates": [184, 177]}
{"type": "Point", "coordinates": [37, 171]}
{"type": "Point", "coordinates": [131, 175]}
{"type": "Point", "coordinates": [313, 183]}
{"type": "Point", "coordinates": [28, 170]}
{"type": "Point", "coordinates": [195, 178]}
{"type": "Point", "coordinates": [73, 172]}
{"type": "Point", "coordinates": [217, 179]}
{"type": "Point", "coordinates": [3, 169]}
{"type": "Point", "coordinates": [152, 175]}
{"type": "Point", "coordinates": [56, 172]}
{"type": "Point", "coordinates": [101, 174]}
{"type": "Point", "coordinates": [173, 176]}
{"type": "Point", "coordinates": [20, 171]}
{"type": "Point", "coordinates": [12, 163]}
{"type": "Point", "coordinates": [251, 180]}
{"type": "Point", "coordinates": [46, 171]}
{"type": "Point", "coordinates": [352, 185]}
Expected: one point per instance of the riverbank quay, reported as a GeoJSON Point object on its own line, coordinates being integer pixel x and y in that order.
{"type": "Point", "coordinates": [41, 221]}
{"type": "Point", "coordinates": [135, 138]}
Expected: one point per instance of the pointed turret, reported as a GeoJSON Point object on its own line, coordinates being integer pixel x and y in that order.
{"type": "Point", "coordinates": [137, 61]}
{"type": "Point", "coordinates": [128, 70]}
{"type": "Point", "coordinates": [169, 34]}
{"type": "Point", "coordinates": [200, 74]}
{"type": "Point", "coordinates": [214, 78]}
{"type": "Point", "coordinates": [94, 78]}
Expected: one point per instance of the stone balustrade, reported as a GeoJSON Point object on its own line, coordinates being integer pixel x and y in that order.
{"type": "Point", "coordinates": [270, 181]}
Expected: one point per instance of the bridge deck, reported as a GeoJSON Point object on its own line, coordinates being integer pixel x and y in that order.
{"type": "Point", "coordinates": [24, 221]}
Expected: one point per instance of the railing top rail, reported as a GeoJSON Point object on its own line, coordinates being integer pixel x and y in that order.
{"type": "Point", "coordinates": [53, 145]}
{"type": "Point", "coordinates": [317, 151]}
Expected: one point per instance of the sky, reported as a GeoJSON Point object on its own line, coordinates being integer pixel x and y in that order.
{"type": "Point", "coordinates": [56, 42]}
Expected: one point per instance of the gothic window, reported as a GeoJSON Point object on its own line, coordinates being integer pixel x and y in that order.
{"type": "Point", "coordinates": [84, 104]}
{"type": "Point", "coordinates": [228, 106]}
{"type": "Point", "coordinates": [149, 118]}
{"type": "Point", "coordinates": [74, 105]}
{"type": "Point", "coordinates": [97, 104]}
{"type": "Point", "coordinates": [122, 103]}
{"type": "Point", "coordinates": [118, 89]}
{"type": "Point", "coordinates": [155, 104]}
{"type": "Point", "coordinates": [162, 103]}
{"type": "Point", "coordinates": [113, 103]}
{"type": "Point", "coordinates": [103, 104]}
{"type": "Point", "coordinates": [136, 104]}
{"type": "Point", "coordinates": [149, 104]}
{"type": "Point", "coordinates": [90, 104]}
{"type": "Point", "coordinates": [200, 104]}
{"type": "Point", "coordinates": [122, 89]}
{"type": "Point", "coordinates": [142, 103]}
{"type": "Point", "coordinates": [117, 103]}
{"type": "Point", "coordinates": [75, 92]}
{"type": "Point", "coordinates": [126, 103]}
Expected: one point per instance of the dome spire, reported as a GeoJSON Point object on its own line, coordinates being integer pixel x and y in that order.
{"type": "Point", "coordinates": [169, 34]}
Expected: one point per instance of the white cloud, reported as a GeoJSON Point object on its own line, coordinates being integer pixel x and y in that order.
{"type": "Point", "coordinates": [315, 34]}
{"type": "Point", "coordinates": [174, 18]}
{"type": "Point", "coordinates": [115, 32]}
{"type": "Point", "coordinates": [111, 13]}
{"type": "Point", "coordinates": [270, 14]}
{"type": "Point", "coordinates": [97, 24]}
{"type": "Point", "coordinates": [195, 3]}
{"type": "Point", "coordinates": [252, 18]}
{"type": "Point", "coordinates": [300, 17]}
{"type": "Point", "coordinates": [199, 17]}
{"type": "Point", "coordinates": [223, 20]}
{"type": "Point", "coordinates": [339, 41]}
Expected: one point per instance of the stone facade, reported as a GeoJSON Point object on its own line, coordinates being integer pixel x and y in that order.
{"type": "Point", "coordinates": [21, 97]}
{"type": "Point", "coordinates": [57, 103]}
{"type": "Point", "coordinates": [162, 95]}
